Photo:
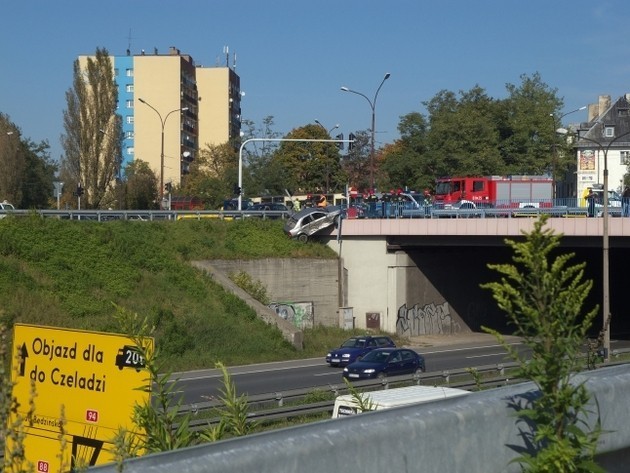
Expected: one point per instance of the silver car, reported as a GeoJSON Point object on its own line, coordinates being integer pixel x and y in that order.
{"type": "Point", "coordinates": [310, 221]}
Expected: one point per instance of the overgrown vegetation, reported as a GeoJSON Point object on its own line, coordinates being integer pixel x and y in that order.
{"type": "Point", "coordinates": [68, 274]}
{"type": "Point", "coordinates": [256, 289]}
{"type": "Point", "coordinates": [543, 298]}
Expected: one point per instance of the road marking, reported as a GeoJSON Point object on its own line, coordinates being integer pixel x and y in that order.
{"type": "Point", "coordinates": [484, 356]}
{"type": "Point", "coordinates": [419, 350]}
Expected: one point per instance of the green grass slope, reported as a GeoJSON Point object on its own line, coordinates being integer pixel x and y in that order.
{"type": "Point", "coordinates": [74, 273]}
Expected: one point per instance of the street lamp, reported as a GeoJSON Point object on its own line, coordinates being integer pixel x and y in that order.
{"type": "Point", "coordinates": [554, 160]}
{"type": "Point", "coordinates": [373, 107]}
{"type": "Point", "coordinates": [606, 247]}
{"type": "Point", "coordinates": [163, 123]}
{"type": "Point", "coordinates": [329, 131]}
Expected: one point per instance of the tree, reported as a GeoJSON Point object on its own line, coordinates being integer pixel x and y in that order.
{"type": "Point", "coordinates": [27, 172]}
{"type": "Point", "coordinates": [261, 174]}
{"type": "Point", "coordinates": [543, 300]}
{"type": "Point", "coordinates": [212, 175]}
{"type": "Point", "coordinates": [356, 163]}
{"type": "Point", "coordinates": [310, 166]}
{"type": "Point", "coordinates": [139, 189]}
{"type": "Point", "coordinates": [463, 136]}
{"type": "Point", "coordinates": [38, 175]}
{"type": "Point", "coordinates": [527, 132]}
{"type": "Point", "coordinates": [93, 131]}
{"type": "Point", "coordinates": [406, 162]}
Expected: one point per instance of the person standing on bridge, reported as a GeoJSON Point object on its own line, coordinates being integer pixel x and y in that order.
{"type": "Point", "coordinates": [590, 201]}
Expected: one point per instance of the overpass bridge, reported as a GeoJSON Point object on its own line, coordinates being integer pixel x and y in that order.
{"type": "Point", "coordinates": [422, 276]}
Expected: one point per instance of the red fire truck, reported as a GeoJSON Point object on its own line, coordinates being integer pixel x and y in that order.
{"type": "Point", "coordinates": [495, 191]}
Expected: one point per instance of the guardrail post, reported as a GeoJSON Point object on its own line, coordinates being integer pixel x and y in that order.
{"type": "Point", "coordinates": [280, 399]}
{"type": "Point", "coordinates": [501, 369]}
{"type": "Point", "coordinates": [417, 378]}
{"type": "Point", "coordinates": [447, 376]}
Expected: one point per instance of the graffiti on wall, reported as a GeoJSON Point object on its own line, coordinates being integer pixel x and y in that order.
{"type": "Point", "coordinates": [429, 319]}
{"type": "Point", "coordinates": [299, 314]}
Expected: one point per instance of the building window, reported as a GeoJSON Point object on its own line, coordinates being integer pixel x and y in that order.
{"type": "Point", "coordinates": [129, 103]}
{"type": "Point", "coordinates": [129, 119]}
{"type": "Point", "coordinates": [129, 135]}
{"type": "Point", "coordinates": [130, 151]}
{"type": "Point", "coordinates": [609, 131]}
{"type": "Point", "coordinates": [129, 72]}
{"type": "Point", "coordinates": [129, 88]}
{"type": "Point", "coordinates": [625, 157]}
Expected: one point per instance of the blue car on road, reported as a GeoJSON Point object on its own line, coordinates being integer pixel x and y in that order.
{"type": "Point", "coordinates": [356, 347]}
{"type": "Point", "coordinates": [385, 362]}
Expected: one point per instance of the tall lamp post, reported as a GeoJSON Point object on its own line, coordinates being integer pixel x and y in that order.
{"type": "Point", "coordinates": [373, 107]}
{"type": "Point", "coordinates": [606, 248]}
{"type": "Point", "coordinates": [329, 131]}
{"type": "Point", "coordinates": [163, 123]}
{"type": "Point", "coordinates": [554, 161]}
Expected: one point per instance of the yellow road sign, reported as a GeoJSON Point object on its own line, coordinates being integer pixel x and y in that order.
{"type": "Point", "coordinates": [95, 378]}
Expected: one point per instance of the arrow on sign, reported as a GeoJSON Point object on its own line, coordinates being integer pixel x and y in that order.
{"type": "Point", "coordinates": [23, 357]}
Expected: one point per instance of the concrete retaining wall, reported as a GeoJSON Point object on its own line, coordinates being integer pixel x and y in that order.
{"type": "Point", "coordinates": [291, 333]}
{"type": "Point", "coordinates": [294, 280]}
{"type": "Point", "coordinates": [478, 433]}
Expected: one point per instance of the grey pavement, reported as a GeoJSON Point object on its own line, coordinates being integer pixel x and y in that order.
{"type": "Point", "coordinates": [469, 339]}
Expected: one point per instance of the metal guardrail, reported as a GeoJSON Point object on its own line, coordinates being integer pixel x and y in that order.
{"type": "Point", "coordinates": [148, 215]}
{"type": "Point", "coordinates": [271, 406]}
{"type": "Point", "coordinates": [286, 404]}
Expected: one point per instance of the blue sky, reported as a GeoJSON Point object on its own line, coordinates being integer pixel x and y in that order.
{"type": "Point", "coordinates": [293, 55]}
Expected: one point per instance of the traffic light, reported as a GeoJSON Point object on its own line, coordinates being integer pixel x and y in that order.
{"type": "Point", "coordinates": [168, 187]}
{"type": "Point", "coordinates": [80, 190]}
{"type": "Point", "coordinates": [351, 137]}
{"type": "Point", "coordinates": [237, 190]}
{"type": "Point", "coordinates": [339, 137]}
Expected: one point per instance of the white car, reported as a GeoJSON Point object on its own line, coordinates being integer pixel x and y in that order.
{"type": "Point", "coordinates": [310, 221]}
{"type": "Point", "coordinates": [4, 206]}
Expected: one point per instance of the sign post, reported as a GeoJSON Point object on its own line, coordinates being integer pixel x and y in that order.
{"type": "Point", "coordinates": [85, 387]}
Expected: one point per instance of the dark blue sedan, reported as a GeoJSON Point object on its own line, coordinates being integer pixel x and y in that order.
{"type": "Point", "coordinates": [385, 362]}
{"type": "Point", "coordinates": [356, 347]}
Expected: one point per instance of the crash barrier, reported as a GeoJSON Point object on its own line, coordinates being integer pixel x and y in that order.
{"type": "Point", "coordinates": [290, 403]}
{"type": "Point", "coordinates": [478, 433]}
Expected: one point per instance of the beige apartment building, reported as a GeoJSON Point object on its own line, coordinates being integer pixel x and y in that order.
{"type": "Point", "coordinates": [171, 107]}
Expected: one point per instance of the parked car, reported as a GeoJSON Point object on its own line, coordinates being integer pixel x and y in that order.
{"type": "Point", "coordinates": [384, 362]}
{"type": "Point", "coordinates": [269, 207]}
{"type": "Point", "coordinates": [306, 223]}
{"type": "Point", "coordinates": [356, 347]}
{"type": "Point", "coordinates": [4, 207]}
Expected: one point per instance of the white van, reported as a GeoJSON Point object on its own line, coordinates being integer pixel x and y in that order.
{"type": "Point", "coordinates": [346, 405]}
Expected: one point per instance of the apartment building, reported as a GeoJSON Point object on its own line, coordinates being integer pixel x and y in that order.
{"type": "Point", "coordinates": [171, 107]}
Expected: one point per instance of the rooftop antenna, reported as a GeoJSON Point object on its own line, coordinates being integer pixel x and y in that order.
{"type": "Point", "coordinates": [226, 51]}
{"type": "Point", "coordinates": [129, 38]}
